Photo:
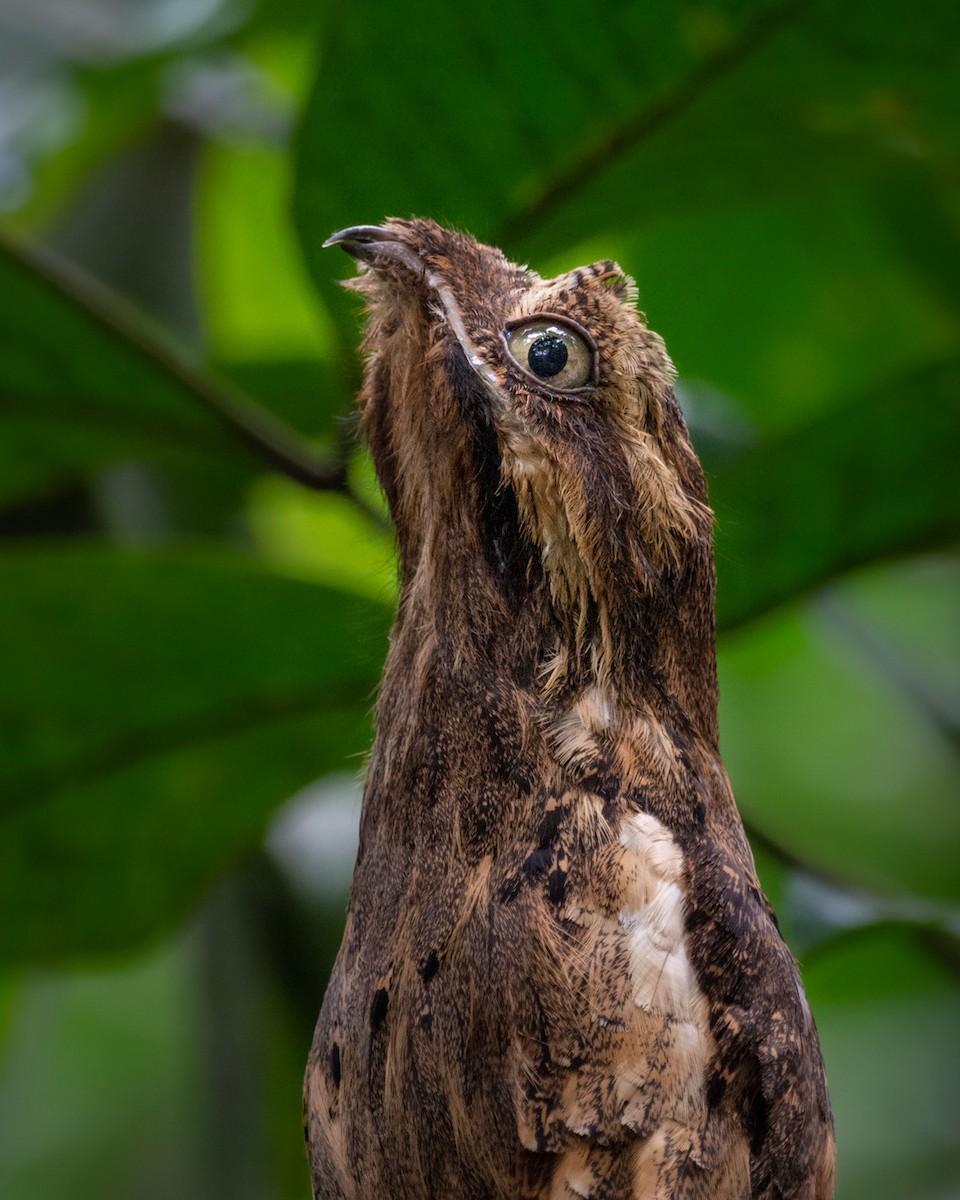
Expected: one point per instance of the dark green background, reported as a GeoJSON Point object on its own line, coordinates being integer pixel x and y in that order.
{"type": "Point", "coordinates": [189, 637]}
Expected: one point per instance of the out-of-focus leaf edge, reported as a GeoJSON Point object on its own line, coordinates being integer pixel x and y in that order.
{"type": "Point", "coordinates": [869, 481]}
{"type": "Point", "coordinates": [257, 430]}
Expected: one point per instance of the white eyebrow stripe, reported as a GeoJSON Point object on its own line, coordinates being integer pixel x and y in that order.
{"type": "Point", "coordinates": [476, 360]}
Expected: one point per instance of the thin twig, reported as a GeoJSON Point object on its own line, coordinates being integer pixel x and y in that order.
{"type": "Point", "coordinates": [275, 442]}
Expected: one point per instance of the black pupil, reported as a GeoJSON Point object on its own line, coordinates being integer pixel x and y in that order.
{"type": "Point", "coordinates": [547, 356]}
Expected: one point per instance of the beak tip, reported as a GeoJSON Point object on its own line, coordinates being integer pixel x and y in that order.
{"type": "Point", "coordinates": [356, 239]}
{"type": "Point", "coordinates": [375, 246]}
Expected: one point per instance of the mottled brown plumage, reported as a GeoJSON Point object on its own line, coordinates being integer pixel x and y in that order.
{"type": "Point", "coordinates": [559, 976]}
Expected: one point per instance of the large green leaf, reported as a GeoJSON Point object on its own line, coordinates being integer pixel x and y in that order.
{"type": "Point", "coordinates": [532, 129]}
{"type": "Point", "coordinates": [256, 293]}
{"type": "Point", "coordinates": [787, 307]}
{"type": "Point", "coordinates": [864, 481]}
{"type": "Point", "coordinates": [886, 1013]}
{"type": "Point", "coordinates": [830, 757]}
{"type": "Point", "coordinates": [84, 382]}
{"type": "Point", "coordinates": [155, 710]}
{"type": "Point", "coordinates": [113, 1075]}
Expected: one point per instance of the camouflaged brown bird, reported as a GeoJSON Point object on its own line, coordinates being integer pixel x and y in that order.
{"type": "Point", "coordinates": [559, 976]}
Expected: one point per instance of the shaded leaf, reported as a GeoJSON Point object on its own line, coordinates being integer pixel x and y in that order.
{"type": "Point", "coordinates": [461, 73]}
{"type": "Point", "coordinates": [921, 214]}
{"type": "Point", "coordinates": [864, 481]}
{"type": "Point", "coordinates": [886, 1013]}
{"type": "Point", "coordinates": [305, 392]}
{"type": "Point", "coordinates": [155, 710]}
{"type": "Point", "coordinates": [905, 620]}
{"type": "Point", "coordinates": [84, 381]}
{"type": "Point", "coordinates": [834, 762]}
{"type": "Point", "coordinates": [787, 307]}
{"type": "Point", "coordinates": [620, 117]}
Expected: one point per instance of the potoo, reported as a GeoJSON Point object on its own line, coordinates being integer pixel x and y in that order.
{"type": "Point", "coordinates": [559, 976]}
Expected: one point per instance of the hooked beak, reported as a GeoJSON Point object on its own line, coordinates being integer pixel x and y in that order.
{"type": "Point", "coordinates": [375, 245]}
{"type": "Point", "coordinates": [379, 246]}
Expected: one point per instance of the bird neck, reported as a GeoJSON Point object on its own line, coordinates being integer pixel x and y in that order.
{"type": "Point", "coordinates": [491, 615]}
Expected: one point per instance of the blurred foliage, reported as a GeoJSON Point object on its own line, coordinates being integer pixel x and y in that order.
{"type": "Point", "coordinates": [189, 636]}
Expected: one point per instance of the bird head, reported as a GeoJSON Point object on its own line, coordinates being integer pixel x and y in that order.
{"type": "Point", "coordinates": [526, 435]}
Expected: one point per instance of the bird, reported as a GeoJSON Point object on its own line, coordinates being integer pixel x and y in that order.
{"type": "Point", "coordinates": [559, 975]}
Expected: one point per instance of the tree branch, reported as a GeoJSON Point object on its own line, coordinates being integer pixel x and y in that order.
{"type": "Point", "coordinates": [261, 431]}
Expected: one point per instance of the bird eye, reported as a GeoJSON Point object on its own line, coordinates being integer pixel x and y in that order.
{"type": "Point", "coordinates": [554, 351]}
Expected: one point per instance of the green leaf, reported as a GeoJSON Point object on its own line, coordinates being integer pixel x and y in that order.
{"type": "Point", "coordinates": [789, 306]}
{"type": "Point", "coordinates": [831, 758]}
{"type": "Point", "coordinates": [905, 619]}
{"type": "Point", "coordinates": [921, 214]}
{"type": "Point", "coordinates": [84, 381]}
{"type": "Point", "coordinates": [532, 135]}
{"type": "Point", "coordinates": [257, 297]}
{"type": "Point", "coordinates": [468, 111]}
{"type": "Point", "coordinates": [886, 1013]}
{"type": "Point", "coordinates": [112, 1074]}
{"type": "Point", "coordinates": [322, 536]}
{"type": "Point", "coordinates": [305, 392]}
{"type": "Point", "coordinates": [738, 102]}
{"type": "Point", "coordinates": [155, 710]}
{"type": "Point", "coordinates": [862, 482]}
